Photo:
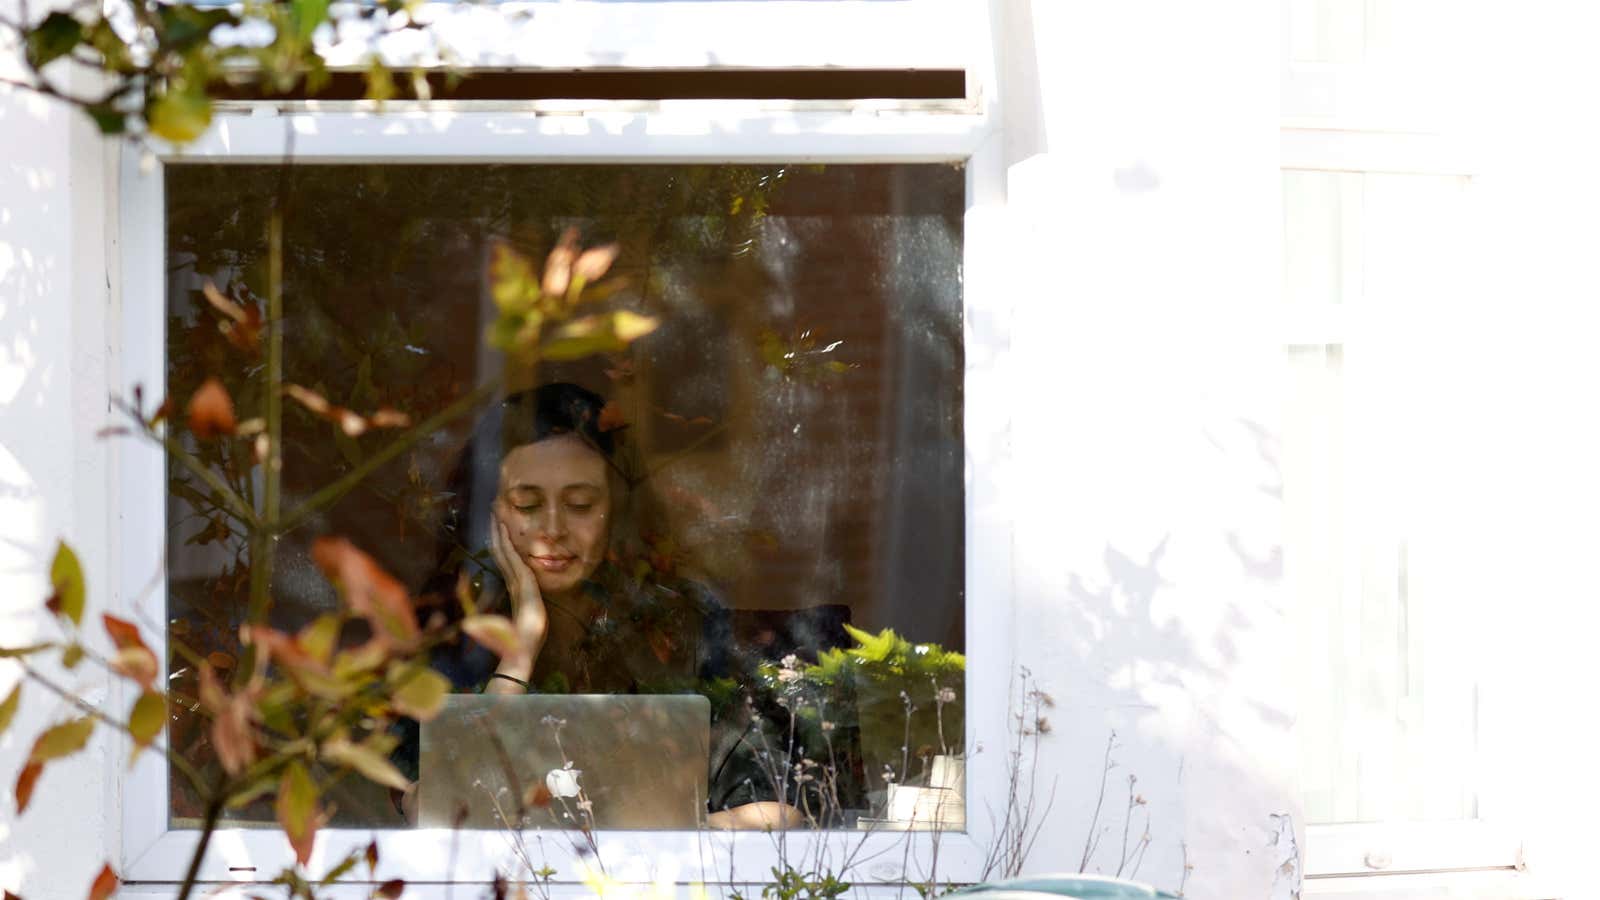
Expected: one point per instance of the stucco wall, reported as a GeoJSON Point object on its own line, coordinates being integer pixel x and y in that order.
{"type": "Point", "coordinates": [1141, 143]}
{"type": "Point", "coordinates": [55, 289]}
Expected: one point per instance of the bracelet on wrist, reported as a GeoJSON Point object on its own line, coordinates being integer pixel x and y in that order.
{"type": "Point", "coordinates": [511, 678]}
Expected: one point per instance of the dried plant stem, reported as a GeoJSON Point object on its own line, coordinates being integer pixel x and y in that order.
{"type": "Point", "coordinates": [1093, 840]}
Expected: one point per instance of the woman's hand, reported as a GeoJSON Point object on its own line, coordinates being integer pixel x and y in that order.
{"type": "Point", "coordinates": [528, 611]}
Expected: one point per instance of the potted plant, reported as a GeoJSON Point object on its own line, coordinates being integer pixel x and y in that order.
{"type": "Point", "coordinates": [902, 701]}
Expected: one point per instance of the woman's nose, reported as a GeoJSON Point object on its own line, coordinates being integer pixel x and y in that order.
{"type": "Point", "coordinates": [553, 524]}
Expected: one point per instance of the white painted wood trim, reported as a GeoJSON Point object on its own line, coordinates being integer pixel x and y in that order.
{"type": "Point", "coordinates": [1397, 847]}
{"type": "Point", "coordinates": [691, 131]}
{"type": "Point", "coordinates": [139, 532]}
{"type": "Point", "coordinates": [1500, 884]}
{"type": "Point", "coordinates": [1327, 148]}
{"type": "Point", "coordinates": [152, 853]}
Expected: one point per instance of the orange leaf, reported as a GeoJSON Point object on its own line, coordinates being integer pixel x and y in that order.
{"type": "Point", "coordinates": [371, 592]}
{"type": "Point", "coordinates": [137, 664]}
{"type": "Point", "coordinates": [308, 398]}
{"type": "Point", "coordinates": [25, 782]}
{"type": "Point", "coordinates": [595, 262]}
{"type": "Point", "coordinates": [123, 633]}
{"type": "Point", "coordinates": [386, 417]}
{"type": "Point", "coordinates": [611, 417]}
{"type": "Point", "coordinates": [662, 645]}
{"type": "Point", "coordinates": [537, 795]}
{"type": "Point", "coordinates": [231, 736]}
{"type": "Point", "coordinates": [105, 884]}
{"type": "Point", "coordinates": [212, 697]}
{"type": "Point", "coordinates": [558, 265]}
{"type": "Point", "coordinates": [222, 303]}
{"type": "Point", "coordinates": [211, 410]}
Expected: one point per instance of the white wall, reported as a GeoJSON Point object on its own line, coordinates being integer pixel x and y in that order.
{"type": "Point", "coordinates": [54, 297]}
{"type": "Point", "coordinates": [1142, 163]}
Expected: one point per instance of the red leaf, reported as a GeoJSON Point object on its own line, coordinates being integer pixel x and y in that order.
{"type": "Point", "coordinates": [105, 884]}
{"type": "Point", "coordinates": [211, 410]}
{"type": "Point", "coordinates": [371, 592]}
{"type": "Point", "coordinates": [134, 660]}
{"type": "Point", "coordinates": [25, 782]}
{"type": "Point", "coordinates": [390, 889]}
{"type": "Point", "coordinates": [123, 633]}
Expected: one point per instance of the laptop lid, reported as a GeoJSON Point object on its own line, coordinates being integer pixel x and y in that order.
{"type": "Point", "coordinates": [641, 761]}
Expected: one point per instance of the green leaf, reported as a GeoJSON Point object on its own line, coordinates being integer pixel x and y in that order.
{"type": "Point", "coordinates": [53, 38]}
{"type": "Point", "coordinates": [380, 81]}
{"type": "Point", "coordinates": [66, 577]}
{"type": "Point", "coordinates": [8, 709]}
{"type": "Point", "coordinates": [584, 336]}
{"type": "Point", "coordinates": [366, 760]}
{"type": "Point", "coordinates": [179, 115]}
{"type": "Point", "coordinates": [72, 656]}
{"type": "Point", "coordinates": [148, 717]}
{"type": "Point", "coordinates": [107, 118]}
{"type": "Point", "coordinates": [62, 740]}
{"type": "Point", "coordinates": [320, 638]}
{"type": "Point", "coordinates": [342, 869]}
{"type": "Point", "coordinates": [297, 809]}
{"type": "Point", "coordinates": [308, 14]}
{"type": "Point", "coordinates": [420, 694]}
{"type": "Point", "coordinates": [248, 794]}
{"type": "Point", "coordinates": [184, 25]}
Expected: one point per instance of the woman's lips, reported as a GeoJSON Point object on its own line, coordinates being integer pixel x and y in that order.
{"type": "Point", "coordinates": [553, 563]}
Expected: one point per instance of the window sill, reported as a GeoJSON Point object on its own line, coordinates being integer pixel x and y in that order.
{"type": "Point", "coordinates": [1489, 884]}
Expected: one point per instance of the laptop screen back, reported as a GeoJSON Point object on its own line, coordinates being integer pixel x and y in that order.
{"type": "Point", "coordinates": [641, 761]}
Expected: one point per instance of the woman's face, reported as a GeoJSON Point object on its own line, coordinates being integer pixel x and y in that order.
{"type": "Point", "coordinates": [556, 503]}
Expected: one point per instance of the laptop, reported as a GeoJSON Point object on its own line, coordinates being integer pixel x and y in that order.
{"type": "Point", "coordinates": [640, 759]}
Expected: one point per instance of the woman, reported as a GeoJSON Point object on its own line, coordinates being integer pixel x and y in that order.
{"type": "Point", "coordinates": [568, 532]}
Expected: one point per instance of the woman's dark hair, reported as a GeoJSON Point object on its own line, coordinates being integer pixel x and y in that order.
{"type": "Point", "coordinates": [528, 417]}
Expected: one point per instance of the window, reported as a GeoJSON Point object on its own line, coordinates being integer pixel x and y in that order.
{"type": "Point", "coordinates": [787, 448]}
{"type": "Point", "coordinates": [1396, 712]}
{"type": "Point", "coordinates": [911, 173]}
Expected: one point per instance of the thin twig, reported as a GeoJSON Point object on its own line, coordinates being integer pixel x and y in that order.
{"type": "Point", "coordinates": [177, 761]}
{"type": "Point", "coordinates": [328, 494]}
{"type": "Point", "coordinates": [1091, 842]}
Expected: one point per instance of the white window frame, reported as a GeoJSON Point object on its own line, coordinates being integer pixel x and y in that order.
{"type": "Point", "coordinates": [1467, 858]}
{"type": "Point", "coordinates": [664, 132]}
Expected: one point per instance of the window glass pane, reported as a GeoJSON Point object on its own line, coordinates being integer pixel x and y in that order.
{"type": "Point", "coordinates": [705, 512]}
